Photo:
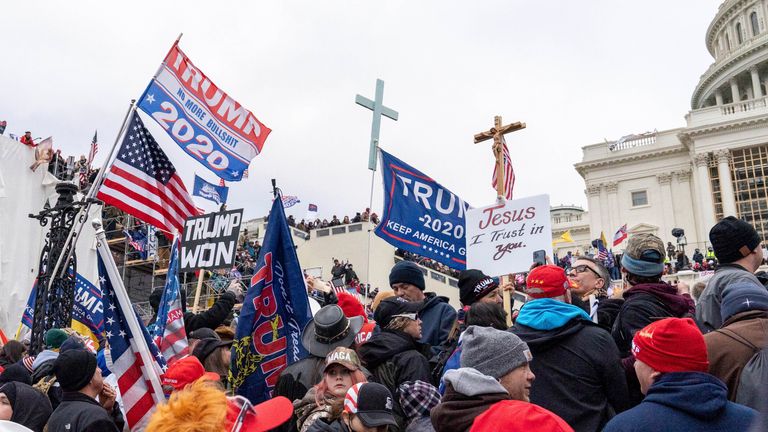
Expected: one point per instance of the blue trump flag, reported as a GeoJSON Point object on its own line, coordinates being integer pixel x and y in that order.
{"type": "Point", "coordinates": [210, 191]}
{"type": "Point", "coordinates": [275, 311]}
{"type": "Point", "coordinates": [420, 216]}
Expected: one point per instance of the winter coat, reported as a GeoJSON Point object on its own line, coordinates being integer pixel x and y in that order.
{"type": "Point", "coordinates": [322, 426]}
{"type": "Point", "coordinates": [30, 407]}
{"type": "Point", "coordinates": [607, 309]}
{"type": "Point", "coordinates": [79, 412]}
{"type": "Point", "coordinates": [296, 380]}
{"type": "Point", "coordinates": [577, 366]}
{"type": "Point", "coordinates": [213, 317]}
{"type": "Point", "coordinates": [684, 401]}
{"type": "Point", "coordinates": [307, 410]}
{"type": "Point", "coordinates": [420, 424]}
{"type": "Point", "coordinates": [394, 357]}
{"type": "Point", "coordinates": [708, 309]}
{"type": "Point", "coordinates": [468, 393]}
{"type": "Point", "coordinates": [728, 356]}
{"type": "Point", "coordinates": [644, 304]}
{"type": "Point", "coordinates": [437, 318]}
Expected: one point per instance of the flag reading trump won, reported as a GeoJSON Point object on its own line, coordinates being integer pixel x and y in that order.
{"type": "Point", "coordinates": [275, 311]}
{"type": "Point", "coordinates": [421, 216]}
{"type": "Point", "coordinates": [203, 120]}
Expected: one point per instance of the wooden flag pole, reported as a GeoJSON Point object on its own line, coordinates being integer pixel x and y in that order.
{"type": "Point", "coordinates": [497, 133]}
{"type": "Point", "coordinates": [197, 291]}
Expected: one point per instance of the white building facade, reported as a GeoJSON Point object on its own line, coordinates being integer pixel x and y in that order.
{"type": "Point", "coordinates": [714, 167]}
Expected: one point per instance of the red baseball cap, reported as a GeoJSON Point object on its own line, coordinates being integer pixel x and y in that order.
{"type": "Point", "coordinates": [546, 281]}
{"type": "Point", "coordinates": [515, 415]}
{"type": "Point", "coordinates": [245, 417]}
{"type": "Point", "coordinates": [671, 345]}
{"type": "Point", "coordinates": [185, 371]}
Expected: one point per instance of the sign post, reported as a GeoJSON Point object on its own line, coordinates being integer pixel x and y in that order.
{"type": "Point", "coordinates": [497, 133]}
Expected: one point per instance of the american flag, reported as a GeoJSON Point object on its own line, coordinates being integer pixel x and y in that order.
{"type": "Point", "coordinates": [602, 252]}
{"type": "Point", "coordinates": [143, 182]}
{"type": "Point", "coordinates": [509, 172]}
{"type": "Point", "coordinates": [124, 352]}
{"type": "Point", "coordinates": [170, 335]}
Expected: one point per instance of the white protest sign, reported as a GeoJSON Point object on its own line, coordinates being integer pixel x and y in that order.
{"type": "Point", "coordinates": [502, 238]}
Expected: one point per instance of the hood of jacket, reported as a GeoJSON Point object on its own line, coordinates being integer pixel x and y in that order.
{"type": "Point", "coordinates": [460, 406]}
{"type": "Point", "coordinates": [431, 299]}
{"type": "Point", "coordinates": [677, 304]}
{"type": "Point", "coordinates": [746, 316]}
{"type": "Point", "coordinates": [31, 408]}
{"type": "Point", "coordinates": [43, 357]}
{"type": "Point", "coordinates": [697, 394]}
{"type": "Point", "coordinates": [549, 314]}
{"type": "Point", "coordinates": [385, 345]}
{"type": "Point", "coordinates": [470, 382]}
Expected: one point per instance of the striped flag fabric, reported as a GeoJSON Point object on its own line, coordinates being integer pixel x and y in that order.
{"type": "Point", "coordinates": [509, 172]}
{"type": "Point", "coordinates": [94, 148]}
{"type": "Point", "coordinates": [620, 235]}
{"type": "Point", "coordinates": [602, 252]}
{"type": "Point", "coordinates": [124, 353]}
{"type": "Point", "coordinates": [289, 200]}
{"type": "Point", "coordinates": [143, 182]}
{"type": "Point", "coordinates": [170, 335]}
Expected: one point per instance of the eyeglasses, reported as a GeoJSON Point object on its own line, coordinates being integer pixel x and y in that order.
{"type": "Point", "coordinates": [583, 268]}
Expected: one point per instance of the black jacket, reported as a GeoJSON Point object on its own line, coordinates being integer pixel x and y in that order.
{"type": "Point", "coordinates": [394, 357]}
{"type": "Point", "coordinates": [213, 317]}
{"type": "Point", "coordinates": [295, 381]}
{"type": "Point", "coordinates": [79, 412]}
{"type": "Point", "coordinates": [578, 371]}
{"type": "Point", "coordinates": [644, 304]}
{"type": "Point", "coordinates": [321, 426]}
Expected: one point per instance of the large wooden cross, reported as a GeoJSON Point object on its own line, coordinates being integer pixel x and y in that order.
{"type": "Point", "coordinates": [497, 133]}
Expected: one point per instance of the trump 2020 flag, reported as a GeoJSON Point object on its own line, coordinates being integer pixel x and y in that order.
{"type": "Point", "coordinates": [203, 120]}
{"type": "Point", "coordinates": [170, 335]}
{"type": "Point", "coordinates": [420, 215]}
{"type": "Point", "coordinates": [124, 352]}
{"type": "Point", "coordinates": [210, 191]}
{"type": "Point", "coordinates": [275, 311]}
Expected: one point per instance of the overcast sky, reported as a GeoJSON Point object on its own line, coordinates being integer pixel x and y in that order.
{"type": "Point", "coordinates": [575, 71]}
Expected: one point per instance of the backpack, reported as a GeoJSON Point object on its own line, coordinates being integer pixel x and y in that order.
{"type": "Point", "coordinates": [754, 375]}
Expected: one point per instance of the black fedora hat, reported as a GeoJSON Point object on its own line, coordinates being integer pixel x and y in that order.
{"type": "Point", "coordinates": [330, 329]}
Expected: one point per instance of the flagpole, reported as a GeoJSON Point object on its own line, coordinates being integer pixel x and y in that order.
{"type": "Point", "coordinates": [127, 307]}
{"type": "Point", "coordinates": [82, 215]}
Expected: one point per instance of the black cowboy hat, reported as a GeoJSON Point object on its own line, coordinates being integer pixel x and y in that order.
{"type": "Point", "coordinates": [330, 329]}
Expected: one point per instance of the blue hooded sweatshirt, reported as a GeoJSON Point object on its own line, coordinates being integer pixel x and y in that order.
{"type": "Point", "coordinates": [685, 401]}
{"type": "Point", "coordinates": [548, 314]}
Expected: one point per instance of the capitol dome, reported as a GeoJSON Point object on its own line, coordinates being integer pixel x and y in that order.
{"type": "Point", "coordinates": [738, 41]}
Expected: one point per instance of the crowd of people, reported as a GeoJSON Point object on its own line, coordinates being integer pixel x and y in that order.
{"type": "Point", "coordinates": [309, 225]}
{"type": "Point", "coordinates": [580, 355]}
{"type": "Point", "coordinates": [427, 262]}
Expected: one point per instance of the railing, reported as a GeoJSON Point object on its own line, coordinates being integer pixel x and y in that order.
{"type": "Point", "coordinates": [632, 141]}
{"type": "Point", "coordinates": [743, 106]}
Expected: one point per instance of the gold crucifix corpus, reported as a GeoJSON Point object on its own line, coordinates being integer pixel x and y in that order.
{"type": "Point", "coordinates": [497, 133]}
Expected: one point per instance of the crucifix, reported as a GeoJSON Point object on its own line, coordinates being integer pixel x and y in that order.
{"type": "Point", "coordinates": [378, 108]}
{"type": "Point", "coordinates": [497, 133]}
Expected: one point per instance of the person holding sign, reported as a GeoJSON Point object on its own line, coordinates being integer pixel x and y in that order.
{"type": "Point", "coordinates": [437, 316]}
{"type": "Point", "coordinates": [577, 364]}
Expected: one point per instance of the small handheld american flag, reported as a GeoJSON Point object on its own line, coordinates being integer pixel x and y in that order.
{"type": "Point", "coordinates": [509, 172]}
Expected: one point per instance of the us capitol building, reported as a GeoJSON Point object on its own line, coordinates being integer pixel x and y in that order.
{"type": "Point", "coordinates": [690, 177]}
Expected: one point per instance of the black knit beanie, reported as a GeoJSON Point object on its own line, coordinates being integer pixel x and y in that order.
{"type": "Point", "coordinates": [732, 239]}
{"type": "Point", "coordinates": [474, 285]}
{"type": "Point", "coordinates": [74, 369]}
{"type": "Point", "coordinates": [407, 272]}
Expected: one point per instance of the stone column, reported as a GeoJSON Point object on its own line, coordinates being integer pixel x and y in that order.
{"type": "Point", "coordinates": [593, 199]}
{"type": "Point", "coordinates": [726, 184]}
{"type": "Point", "coordinates": [718, 97]}
{"type": "Point", "coordinates": [667, 204]}
{"type": "Point", "coordinates": [756, 83]}
{"type": "Point", "coordinates": [613, 207]}
{"type": "Point", "coordinates": [735, 90]}
{"type": "Point", "coordinates": [706, 205]}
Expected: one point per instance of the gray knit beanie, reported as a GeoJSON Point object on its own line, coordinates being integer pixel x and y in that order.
{"type": "Point", "coordinates": [493, 352]}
